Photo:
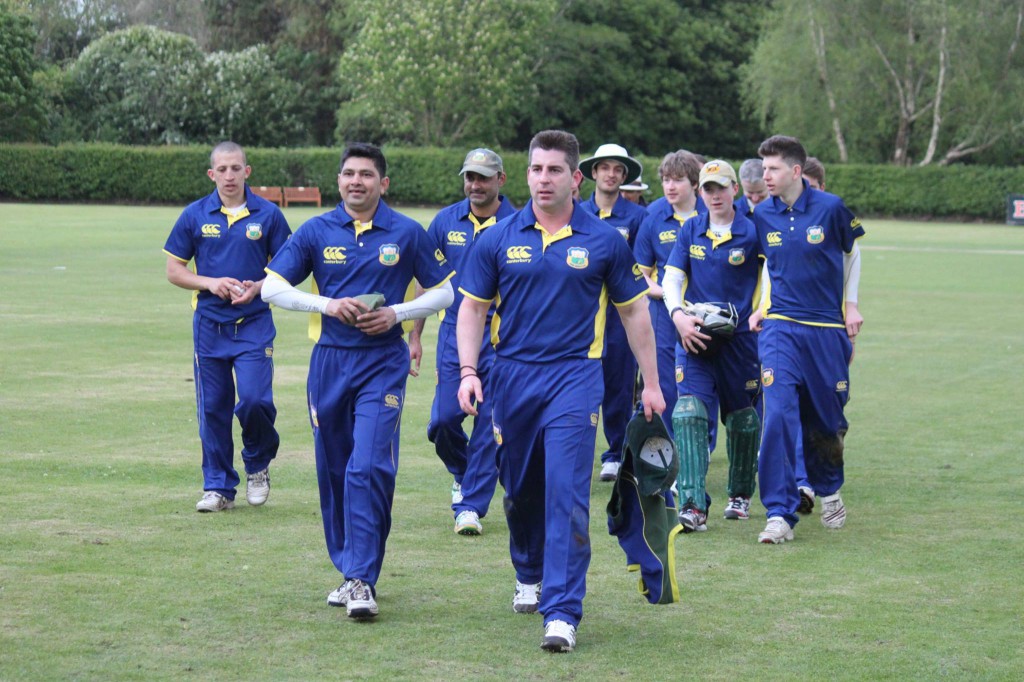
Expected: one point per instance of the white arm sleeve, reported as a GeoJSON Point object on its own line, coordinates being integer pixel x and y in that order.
{"type": "Point", "coordinates": [284, 295]}
{"type": "Point", "coordinates": [764, 286]}
{"type": "Point", "coordinates": [851, 273]}
{"type": "Point", "coordinates": [426, 304]}
{"type": "Point", "coordinates": [672, 285]}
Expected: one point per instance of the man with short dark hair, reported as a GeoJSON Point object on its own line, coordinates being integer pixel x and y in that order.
{"type": "Point", "coordinates": [363, 256]}
{"type": "Point", "coordinates": [231, 234]}
{"type": "Point", "coordinates": [679, 172]}
{"type": "Point", "coordinates": [808, 320]}
{"type": "Point", "coordinates": [609, 167]}
{"type": "Point", "coordinates": [470, 460]}
{"type": "Point", "coordinates": [551, 268]}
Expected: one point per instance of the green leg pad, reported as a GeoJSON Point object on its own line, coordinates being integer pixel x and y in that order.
{"type": "Point", "coordinates": [743, 430]}
{"type": "Point", "coordinates": [690, 424]}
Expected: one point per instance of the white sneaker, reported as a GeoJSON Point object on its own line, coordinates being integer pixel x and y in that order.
{"type": "Point", "coordinates": [360, 601]}
{"type": "Point", "coordinates": [456, 493]}
{"type": "Point", "coordinates": [693, 520]}
{"type": "Point", "coordinates": [738, 508]}
{"type": "Point", "coordinates": [609, 471]}
{"type": "Point", "coordinates": [833, 511]}
{"type": "Point", "coordinates": [559, 637]}
{"type": "Point", "coordinates": [776, 532]}
{"type": "Point", "coordinates": [527, 598]}
{"type": "Point", "coordinates": [257, 487]}
{"type": "Point", "coordinates": [339, 597]}
{"type": "Point", "coordinates": [468, 523]}
{"type": "Point", "coordinates": [214, 502]}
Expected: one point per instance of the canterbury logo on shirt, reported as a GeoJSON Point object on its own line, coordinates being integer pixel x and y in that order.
{"type": "Point", "coordinates": [334, 254]}
{"type": "Point", "coordinates": [667, 237]}
{"type": "Point", "coordinates": [697, 251]}
{"type": "Point", "coordinates": [518, 254]}
{"type": "Point", "coordinates": [457, 238]}
{"type": "Point", "coordinates": [211, 230]}
{"type": "Point", "coordinates": [774, 239]}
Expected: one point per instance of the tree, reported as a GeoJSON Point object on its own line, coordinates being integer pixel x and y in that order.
{"type": "Point", "coordinates": [135, 86]}
{"type": "Point", "coordinates": [21, 107]}
{"type": "Point", "coordinates": [65, 27]}
{"type": "Point", "coordinates": [146, 86]}
{"type": "Point", "coordinates": [439, 72]}
{"type": "Point", "coordinates": [652, 75]}
{"type": "Point", "coordinates": [903, 79]}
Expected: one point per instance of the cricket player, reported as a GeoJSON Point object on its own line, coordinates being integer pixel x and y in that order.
{"type": "Point", "coordinates": [679, 172]}
{"type": "Point", "coordinates": [808, 321]}
{"type": "Point", "coordinates": [715, 260]}
{"type": "Point", "coordinates": [814, 173]}
{"type": "Point", "coordinates": [752, 183]}
{"type": "Point", "coordinates": [634, 191]}
{"type": "Point", "coordinates": [472, 461]}
{"type": "Point", "coordinates": [363, 257]}
{"type": "Point", "coordinates": [609, 168]}
{"type": "Point", "coordinates": [230, 234]}
{"type": "Point", "coordinates": [552, 268]}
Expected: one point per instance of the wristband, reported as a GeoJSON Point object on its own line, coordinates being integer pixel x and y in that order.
{"type": "Point", "coordinates": [672, 313]}
{"type": "Point", "coordinates": [467, 367]}
{"type": "Point", "coordinates": [466, 376]}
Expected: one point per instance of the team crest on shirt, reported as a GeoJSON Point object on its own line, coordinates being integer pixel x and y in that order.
{"type": "Point", "coordinates": [679, 374]}
{"type": "Point", "coordinates": [389, 254]}
{"type": "Point", "coordinates": [497, 432]}
{"type": "Point", "coordinates": [816, 234]}
{"type": "Point", "coordinates": [577, 257]}
{"type": "Point", "coordinates": [842, 386]}
{"type": "Point", "coordinates": [253, 230]}
{"type": "Point", "coordinates": [667, 237]}
{"type": "Point", "coordinates": [624, 231]}
{"type": "Point", "coordinates": [737, 257]}
{"type": "Point", "coordinates": [391, 400]}
{"type": "Point", "coordinates": [767, 376]}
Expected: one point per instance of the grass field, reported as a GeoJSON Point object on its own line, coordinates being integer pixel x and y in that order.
{"type": "Point", "coordinates": [106, 572]}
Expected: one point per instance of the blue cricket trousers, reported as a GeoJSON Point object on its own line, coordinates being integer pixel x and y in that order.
{"type": "Point", "coordinates": [619, 369]}
{"type": "Point", "coordinates": [356, 397]}
{"type": "Point", "coordinates": [805, 379]}
{"type": "Point", "coordinates": [473, 460]}
{"type": "Point", "coordinates": [545, 423]}
{"type": "Point", "coordinates": [229, 354]}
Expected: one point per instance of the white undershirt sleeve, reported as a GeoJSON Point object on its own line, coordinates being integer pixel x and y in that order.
{"type": "Point", "coordinates": [672, 284]}
{"type": "Point", "coordinates": [851, 273]}
{"type": "Point", "coordinates": [430, 302]}
{"type": "Point", "coordinates": [282, 294]}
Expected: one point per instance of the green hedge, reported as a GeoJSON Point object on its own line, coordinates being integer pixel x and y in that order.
{"type": "Point", "coordinates": [177, 175]}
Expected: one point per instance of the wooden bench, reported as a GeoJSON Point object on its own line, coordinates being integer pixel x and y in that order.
{"type": "Point", "coordinates": [271, 194]}
{"type": "Point", "coordinates": [301, 195]}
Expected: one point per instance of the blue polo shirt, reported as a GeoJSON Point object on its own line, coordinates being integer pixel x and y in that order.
{"type": "Point", "coordinates": [348, 259]}
{"type": "Point", "coordinates": [453, 230]}
{"type": "Point", "coordinates": [552, 291]}
{"type": "Point", "coordinates": [223, 246]}
{"type": "Point", "coordinates": [743, 207]}
{"type": "Point", "coordinates": [626, 217]}
{"type": "Point", "coordinates": [804, 246]}
{"type": "Point", "coordinates": [658, 234]}
{"type": "Point", "coordinates": [725, 269]}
